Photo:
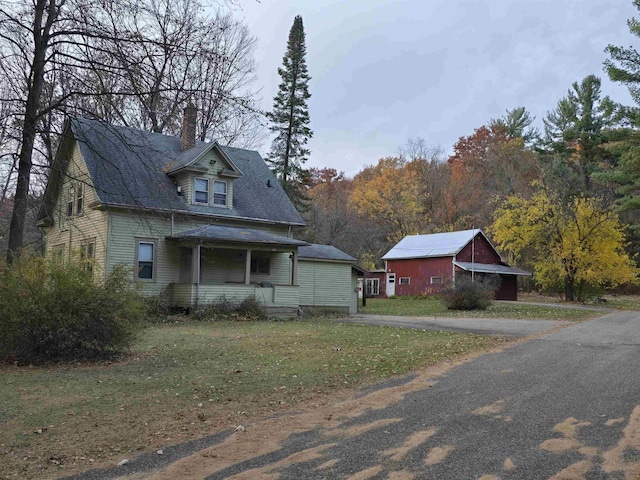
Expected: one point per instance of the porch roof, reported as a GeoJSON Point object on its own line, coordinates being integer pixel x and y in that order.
{"type": "Point", "coordinates": [491, 268]}
{"type": "Point", "coordinates": [224, 234]}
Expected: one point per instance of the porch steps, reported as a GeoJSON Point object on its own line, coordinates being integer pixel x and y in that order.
{"type": "Point", "coordinates": [282, 312]}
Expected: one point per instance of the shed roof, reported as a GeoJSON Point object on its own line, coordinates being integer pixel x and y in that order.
{"type": "Point", "coordinates": [128, 168]}
{"type": "Point", "coordinates": [324, 252]}
{"type": "Point", "coordinates": [433, 245]}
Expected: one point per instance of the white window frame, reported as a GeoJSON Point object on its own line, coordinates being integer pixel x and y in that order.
{"type": "Point", "coordinates": [154, 259]}
{"type": "Point", "coordinates": [438, 280]}
{"type": "Point", "coordinates": [196, 191]}
{"type": "Point", "coordinates": [404, 280]}
{"type": "Point", "coordinates": [70, 202]}
{"type": "Point", "coordinates": [226, 193]}
{"type": "Point", "coordinates": [57, 253]}
{"type": "Point", "coordinates": [372, 286]}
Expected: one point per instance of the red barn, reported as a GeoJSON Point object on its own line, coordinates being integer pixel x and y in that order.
{"type": "Point", "coordinates": [423, 264]}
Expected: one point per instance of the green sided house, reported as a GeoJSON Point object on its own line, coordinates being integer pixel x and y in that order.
{"type": "Point", "coordinates": [195, 221]}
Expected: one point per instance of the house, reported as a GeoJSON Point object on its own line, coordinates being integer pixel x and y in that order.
{"type": "Point", "coordinates": [423, 264]}
{"type": "Point", "coordinates": [195, 221]}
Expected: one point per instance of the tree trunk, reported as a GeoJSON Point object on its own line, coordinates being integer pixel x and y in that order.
{"type": "Point", "coordinates": [21, 199]}
{"type": "Point", "coordinates": [569, 289]}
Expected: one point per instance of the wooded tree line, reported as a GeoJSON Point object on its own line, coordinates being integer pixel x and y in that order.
{"type": "Point", "coordinates": [562, 202]}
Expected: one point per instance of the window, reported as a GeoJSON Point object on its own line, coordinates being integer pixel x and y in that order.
{"type": "Point", "coordinates": [372, 286]}
{"type": "Point", "coordinates": [87, 255]}
{"type": "Point", "coordinates": [260, 265]}
{"type": "Point", "coordinates": [405, 280]}
{"type": "Point", "coordinates": [437, 280]}
{"type": "Point", "coordinates": [220, 193]}
{"type": "Point", "coordinates": [201, 190]}
{"type": "Point", "coordinates": [79, 199]}
{"type": "Point", "coordinates": [70, 203]}
{"type": "Point", "coordinates": [57, 254]}
{"type": "Point", "coordinates": [146, 259]}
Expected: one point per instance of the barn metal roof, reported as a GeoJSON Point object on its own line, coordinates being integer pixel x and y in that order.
{"type": "Point", "coordinates": [445, 244]}
{"type": "Point", "coordinates": [491, 268]}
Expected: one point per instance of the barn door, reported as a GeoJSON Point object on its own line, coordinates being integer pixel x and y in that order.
{"type": "Point", "coordinates": [391, 284]}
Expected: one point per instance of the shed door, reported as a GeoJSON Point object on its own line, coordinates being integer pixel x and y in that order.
{"type": "Point", "coordinates": [391, 284]}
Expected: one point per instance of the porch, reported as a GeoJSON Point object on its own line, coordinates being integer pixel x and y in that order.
{"type": "Point", "coordinates": [235, 263]}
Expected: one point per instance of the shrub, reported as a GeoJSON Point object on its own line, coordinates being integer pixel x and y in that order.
{"type": "Point", "coordinates": [466, 294]}
{"type": "Point", "coordinates": [58, 312]}
{"type": "Point", "coordinates": [225, 309]}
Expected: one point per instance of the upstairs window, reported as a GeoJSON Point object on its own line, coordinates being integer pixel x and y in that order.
{"type": "Point", "coordinates": [79, 199]}
{"type": "Point", "coordinates": [70, 203]}
{"type": "Point", "coordinates": [201, 189]}
{"type": "Point", "coordinates": [220, 193]}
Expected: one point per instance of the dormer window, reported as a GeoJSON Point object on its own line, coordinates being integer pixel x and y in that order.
{"type": "Point", "coordinates": [220, 193]}
{"type": "Point", "coordinates": [201, 191]}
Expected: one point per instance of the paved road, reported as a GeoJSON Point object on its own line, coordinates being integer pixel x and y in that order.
{"type": "Point", "coordinates": [564, 405]}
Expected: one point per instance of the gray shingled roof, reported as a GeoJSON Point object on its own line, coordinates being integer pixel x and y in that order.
{"type": "Point", "coordinates": [324, 252]}
{"type": "Point", "coordinates": [126, 166]}
{"type": "Point", "coordinates": [434, 245]}
{"type": "Point", "coordinates": [491, 268]}
{"type": "Point", "coordinates": [220, 233]}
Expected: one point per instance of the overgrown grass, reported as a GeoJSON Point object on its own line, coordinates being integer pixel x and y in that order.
{"type": "Point", "coordinates": [189, 379]}
{"type": "Point", "coordinates": [433, 307]}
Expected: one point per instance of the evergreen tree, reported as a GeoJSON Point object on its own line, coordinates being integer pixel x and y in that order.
{"type": "Point", "coordinates": [290, 117]}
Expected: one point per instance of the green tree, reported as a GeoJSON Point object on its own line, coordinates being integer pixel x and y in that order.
{"type": "Point", "coordinates": [624, 66]}
{"type": "Point", "coordinates": [574, 246]}
{"type": "Point", "coordinates": [290, 116]}
{"type": "Point", "coordinates": [574, 136]}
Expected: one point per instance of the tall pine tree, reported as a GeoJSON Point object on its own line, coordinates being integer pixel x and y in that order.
{"type": "Point", "coordinates": [290, 117]}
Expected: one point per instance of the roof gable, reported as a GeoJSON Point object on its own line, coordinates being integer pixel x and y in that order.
{"type": "Point", "coordinates": [128, 168]}
{"type": "Point", "coordinates": [446, 244]}
{"type": "Point", "coordinates": [200, 156]}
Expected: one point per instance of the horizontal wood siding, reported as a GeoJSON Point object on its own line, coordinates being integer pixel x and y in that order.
{"type": "Point", "coordinates": [286, 296]}
{"type": "Point", "coordinates": [480, 251]}
{"type": "Point", "coordinates": [125, 229]}
{"type": "Point", "coordinates": [90, 226]}
{"type": "Point", "coordinates": [325, 284]}
{"type": "Point", "coordinates": [353, 308]}
{"type": "Point", "coordinates": [420, 271]}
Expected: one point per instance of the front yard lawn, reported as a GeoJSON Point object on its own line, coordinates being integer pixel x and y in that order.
{"type": "Point", "coordinates": [186, 380]}
{"type": "Point", "coordinates": [433, 307]}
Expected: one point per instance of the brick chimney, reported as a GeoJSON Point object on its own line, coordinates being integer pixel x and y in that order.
{"type": "Point", "coordinates": [189, 126]}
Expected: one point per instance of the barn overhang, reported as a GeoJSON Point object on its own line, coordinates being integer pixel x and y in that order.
{"type": "Point", "coordinates": [491, 268]}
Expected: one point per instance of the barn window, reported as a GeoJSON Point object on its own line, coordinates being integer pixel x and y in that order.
{"type": "Point", "coordinates": [405, 280]}
{"type": "Point", "coordinates": [437, 280]}
{"type": "Point", "coordinates": [372, 286]}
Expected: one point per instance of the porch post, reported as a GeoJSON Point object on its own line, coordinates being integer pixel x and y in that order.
{"type": "Point", "coordinates": [247, 268]}
{"type": "Point", "coordinates": [294, 268]}
{"type": "Point", "coordinates": [195, 270]}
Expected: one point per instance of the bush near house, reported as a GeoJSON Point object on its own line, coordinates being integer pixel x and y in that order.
{"type": "Point", "coordinates": [53, 311]}
{"type": "Point", "coordinates": [470, 294]}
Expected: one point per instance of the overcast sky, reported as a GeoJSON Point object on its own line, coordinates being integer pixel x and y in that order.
{"type": "Point", "coordinates": [385, 71]}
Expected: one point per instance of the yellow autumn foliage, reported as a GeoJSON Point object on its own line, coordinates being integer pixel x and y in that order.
{"type": "Point", "coordinates": [575, 246]}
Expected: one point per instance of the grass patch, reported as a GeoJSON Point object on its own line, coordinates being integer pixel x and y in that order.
{"type": "Point", "coordinates": [433, 307]}
{"type": "Point", "coordinates": [187, 380]}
